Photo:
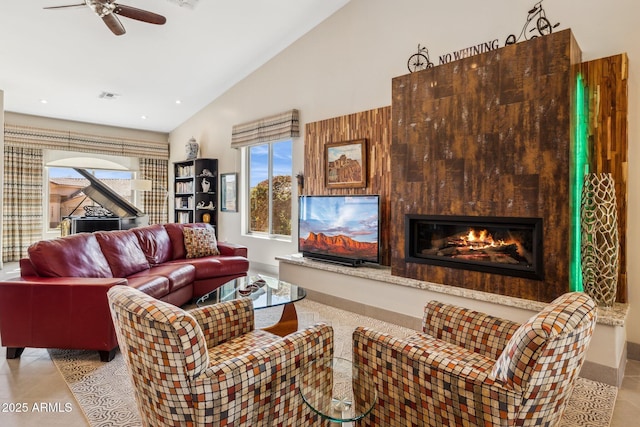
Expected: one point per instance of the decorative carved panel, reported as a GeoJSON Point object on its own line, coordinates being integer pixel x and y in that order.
{"type": "Point", "coordinates": [374, 126]}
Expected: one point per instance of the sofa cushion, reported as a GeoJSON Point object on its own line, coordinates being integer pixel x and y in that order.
{"type": "Point", "coordinates": [177, 237]}
{"type": "Point", "coordinates": [200, 242]}
{"type": "Point", "coordinates": [216, 266]}
{"type": "Point", "coordinates": [122, 251]}
{"type": "Point", "coordinates": [155, 243]}
{"type": "Point", "coordinates": [179, 275]}
{"type": "Point", "coordinates": [155, 286]}
{"type": "Point", "coordinates": [78, 255]}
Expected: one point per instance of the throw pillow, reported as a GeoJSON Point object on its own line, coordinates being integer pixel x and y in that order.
{"type": "Point", "coordinates": [200, 242]}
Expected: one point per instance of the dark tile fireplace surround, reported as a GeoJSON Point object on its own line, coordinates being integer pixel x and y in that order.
{"type": "Point", "coordinates": [484, 143]}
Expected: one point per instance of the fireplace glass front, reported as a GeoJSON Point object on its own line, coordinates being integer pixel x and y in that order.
{"type": "Point", "coordinates": [501, 245]}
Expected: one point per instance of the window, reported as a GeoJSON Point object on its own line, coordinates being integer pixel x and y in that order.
{"type": "Point", "coordinates": [269, 205]}
{"type": "Point", "coordinates": [65, 191]}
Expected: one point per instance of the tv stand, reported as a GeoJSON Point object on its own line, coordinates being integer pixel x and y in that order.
{"type": "Point", "coordinates": [334, 260]}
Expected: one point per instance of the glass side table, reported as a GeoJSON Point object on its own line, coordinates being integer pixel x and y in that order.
{"type": "Point", "coordinates": [338, 390]}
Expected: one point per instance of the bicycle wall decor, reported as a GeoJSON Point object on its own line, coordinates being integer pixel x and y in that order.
{"type": "Point", "coordinates": [536, 24]}
{"type": "Point", "coordinates": [419, 61]}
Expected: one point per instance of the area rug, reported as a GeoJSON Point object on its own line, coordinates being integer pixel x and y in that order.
{"type": "Point", "coordinates": [104, 392]}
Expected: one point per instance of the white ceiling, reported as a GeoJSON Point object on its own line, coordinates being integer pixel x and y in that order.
{"type": "Point", "coordinates": [68, 57]}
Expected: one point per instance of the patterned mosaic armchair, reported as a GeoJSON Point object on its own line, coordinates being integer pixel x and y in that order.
{"type": "Point", "coordinates": [209, 366]}
{"type": "Point", "coordinates": [469, 368]}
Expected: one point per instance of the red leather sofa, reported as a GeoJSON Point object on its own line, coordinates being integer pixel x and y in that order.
{"type": "Point", "coordinates": [60, 298]}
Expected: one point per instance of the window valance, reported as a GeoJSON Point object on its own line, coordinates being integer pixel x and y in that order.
{"type": "Point", "coordinates": [28, 137]}
{"type": "Point", "coordinates": [280, 126]}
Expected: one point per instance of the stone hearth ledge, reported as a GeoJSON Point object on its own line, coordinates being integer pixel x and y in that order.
{"type": "Point", "coordinates": [614, 316]}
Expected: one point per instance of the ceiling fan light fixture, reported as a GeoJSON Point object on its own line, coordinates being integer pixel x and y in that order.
{"type": "Point", "coordinates": [101, 9]}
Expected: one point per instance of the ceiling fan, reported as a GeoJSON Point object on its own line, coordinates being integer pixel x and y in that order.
{"type": "Point", "coordinates": [108, 9]}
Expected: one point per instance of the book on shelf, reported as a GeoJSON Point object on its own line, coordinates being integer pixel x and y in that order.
{"type": "Point", "coordinates": [184, 187]}
{"type": "Point", "coordinates": [183, 218]}
{"type": "Point", "coordinates": [184, 171]}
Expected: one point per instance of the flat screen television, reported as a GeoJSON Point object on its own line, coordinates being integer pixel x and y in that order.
{"type": "Point", "coordinates": [341, 229]}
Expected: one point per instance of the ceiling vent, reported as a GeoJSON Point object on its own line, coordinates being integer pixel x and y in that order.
{"type": "Point", "coordinates": [108, 95]}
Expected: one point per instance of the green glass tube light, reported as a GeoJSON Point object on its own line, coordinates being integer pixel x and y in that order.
{"type": "Point", "coordinates": [579, 166]}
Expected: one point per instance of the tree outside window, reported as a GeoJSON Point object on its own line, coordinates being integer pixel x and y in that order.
{"type": "Point", "coordinates": [270, 169]}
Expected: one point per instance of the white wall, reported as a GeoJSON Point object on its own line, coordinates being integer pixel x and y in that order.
{"type": "Point", "coordinates": [346, 64]}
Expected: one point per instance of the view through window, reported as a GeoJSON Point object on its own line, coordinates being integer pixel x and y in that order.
{"type": "Point", "coordinates": [270, 170]}
{"type": "Point", "coordinates": [65, 191]}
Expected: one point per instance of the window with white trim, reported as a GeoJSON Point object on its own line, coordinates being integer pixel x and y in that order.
{"type": "Point", "coordinates": [268, 207]}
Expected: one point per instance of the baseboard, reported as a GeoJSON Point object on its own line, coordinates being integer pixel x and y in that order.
{"type": "Point", "coordinates": [633, 350]}
{"type": "Point", "coordinates": [605, 374]}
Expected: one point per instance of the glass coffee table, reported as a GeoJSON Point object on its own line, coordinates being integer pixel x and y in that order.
{"type": "Point", "coordinates": [338, 390]}
{"type": "Point", "coordinates": [265, 292]}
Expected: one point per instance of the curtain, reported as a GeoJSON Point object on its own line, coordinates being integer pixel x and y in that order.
{"type": "Point", "coordinates": [22, 214]}
{"type": "Point", "coordinates": [273, 128]}
{"type": "Point", "coordinates": [21, 136]}
{"type": "Point", "coordinates": [155, 201]}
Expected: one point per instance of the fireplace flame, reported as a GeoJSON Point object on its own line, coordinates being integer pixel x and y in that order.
{"type": "Point", "coordinates": [481, 240]}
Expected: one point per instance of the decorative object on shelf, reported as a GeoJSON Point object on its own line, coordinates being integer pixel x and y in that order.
{"type": "Point", "coordinates": [206, 185]}
{"type": "Point", "coordinates": [419, 61]}
{"type": "Point", "coordinates": [600, 244]}
{"type": "Point", "coordinates": [206, 172]}
{"type": "Point", "coordinates": [346, 164]}
{"type": "Point", "coordinates": [191, 149]}
{"type": "Point", "coordinates": [228, 192]}
{"type": "Point", "coordinates": [202, 205]}
{"type": "Point", "coordinates": [206, 217]}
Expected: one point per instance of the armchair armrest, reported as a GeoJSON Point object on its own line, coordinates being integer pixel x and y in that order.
{"type": "Point", "coordinates": [232, 249]}
{"type": "Point", "coordinates": [226, 320]}
{"type": "Point", "coordinates": [265, 381]}
{"type": "Point", "coordinates": [478, 332]}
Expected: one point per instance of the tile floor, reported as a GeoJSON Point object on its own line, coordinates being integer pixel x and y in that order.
{"type": "Point", "coordinates": [33, 393]}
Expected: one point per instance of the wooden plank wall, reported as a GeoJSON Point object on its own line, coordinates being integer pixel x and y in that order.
{"type": "Point", "coordinates": [606, 87]}
{"type": "Point", "coordinates": [375, 127]}
{"type": "Point", "coordinates": [488, 135]}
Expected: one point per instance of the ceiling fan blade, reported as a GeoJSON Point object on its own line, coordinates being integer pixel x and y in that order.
{"type": "Point", "coordinates": [65, 6]}
{"type": "Point", "coordinates": [114, 24]}
{"type": "Point", "coordinates": [139, 14]}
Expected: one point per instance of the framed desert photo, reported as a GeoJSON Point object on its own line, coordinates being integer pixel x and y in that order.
{"type": "Point", "coordinates": [346, 164]}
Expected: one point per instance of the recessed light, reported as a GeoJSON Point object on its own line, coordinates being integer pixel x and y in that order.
{"type": "Point", "coordinates": [43, 101]}
{"type": "Point", "coordinates": [178, 101]}
{"type": "Point", "coordinates": [143, 117]}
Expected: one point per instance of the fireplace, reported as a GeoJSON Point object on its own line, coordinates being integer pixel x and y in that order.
{"type": "Point", "coordinates": [500, 245]}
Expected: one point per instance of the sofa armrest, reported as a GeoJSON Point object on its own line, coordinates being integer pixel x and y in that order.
{"type": "Point", "coordinates": [478, 332]}
{"type": "Point", "coordinates": [224, 321]}
{"type": "Point", "coordinates": [265, 382]}
{"type": "Point", "coordinates": [58, 312]}
{"type": "Point", "coordinates": [232, 249]}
